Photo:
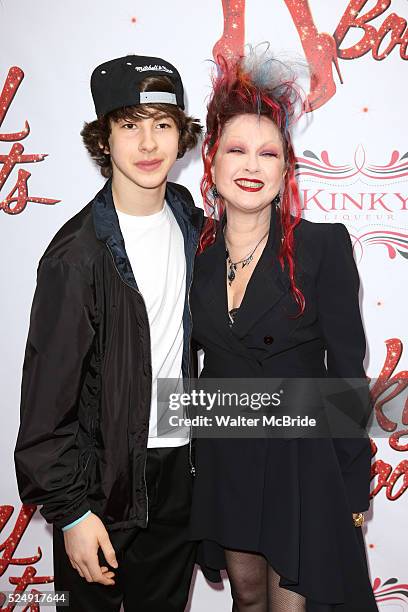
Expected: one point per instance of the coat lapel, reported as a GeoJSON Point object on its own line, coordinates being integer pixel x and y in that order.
{"type": "Point", "coordinates": [212, 282]}
{"type": "Point", "coordinates": [213, 295]}
{"type": "Point", "coordinates": [267, 285]}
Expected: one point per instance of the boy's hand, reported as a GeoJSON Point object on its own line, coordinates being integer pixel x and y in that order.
{"type": "Point", "coordinates": [82, 543]}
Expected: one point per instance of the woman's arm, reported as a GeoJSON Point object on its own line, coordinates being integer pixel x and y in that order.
{"type": "Point", "coordinates": [341, 324]}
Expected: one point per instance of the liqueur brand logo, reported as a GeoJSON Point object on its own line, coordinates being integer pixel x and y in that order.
{"type": "Point", "coordinates": [17, 199]}
{"type": "Point", "coordinates": [394, 171]}
{"type": "Point", "coordinates": [361, 193]}
{"type": "Point", "coordinates": [323, 50]}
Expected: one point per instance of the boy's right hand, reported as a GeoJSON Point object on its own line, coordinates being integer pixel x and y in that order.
{"type": "Point", "coordinates": [82, 543]}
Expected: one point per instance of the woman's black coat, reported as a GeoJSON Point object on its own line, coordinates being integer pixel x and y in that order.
{"type": "Point", "coordinates": [266, 340]}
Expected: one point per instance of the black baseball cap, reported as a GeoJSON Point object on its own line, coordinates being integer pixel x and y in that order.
{"type": "Point", "coordinates": [115, 84]}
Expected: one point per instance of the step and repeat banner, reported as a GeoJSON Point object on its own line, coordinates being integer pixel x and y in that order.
{"type": "Point", "coordinates": [352, 150]}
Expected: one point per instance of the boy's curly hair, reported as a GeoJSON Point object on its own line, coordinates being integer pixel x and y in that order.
{"type": "Point", "coordinates": [95, 134]}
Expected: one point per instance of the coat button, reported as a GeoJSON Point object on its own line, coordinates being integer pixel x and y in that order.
{"type": "Point", "coordinates": [268, 339]}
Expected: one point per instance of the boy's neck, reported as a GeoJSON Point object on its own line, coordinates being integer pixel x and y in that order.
{"type": "Point", "coordinates": [135, 200]}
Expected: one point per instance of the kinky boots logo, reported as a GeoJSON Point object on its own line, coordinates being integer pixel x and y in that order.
{"type": "Point", "coordinates": [323, 50]}
{"type": "Point", "coordinates": [17, 199]}
{"type": "Point", "coordinates": [364, 192]}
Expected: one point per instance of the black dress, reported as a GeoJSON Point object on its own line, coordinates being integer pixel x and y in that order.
{"type": "Point", "coordinates": [290, 500]}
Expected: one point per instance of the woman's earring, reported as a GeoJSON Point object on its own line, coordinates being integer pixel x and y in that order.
{"type": "Point", "coordinates": [276, 200]}
{"type": "Point", "coordinates": [214, 192]}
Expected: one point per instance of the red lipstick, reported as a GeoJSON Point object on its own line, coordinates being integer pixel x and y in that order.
{"type": "Point", "coordinates": [247, 184]}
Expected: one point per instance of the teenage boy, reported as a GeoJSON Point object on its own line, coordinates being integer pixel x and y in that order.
{"type": "Point", "coordinates": [110, 316]}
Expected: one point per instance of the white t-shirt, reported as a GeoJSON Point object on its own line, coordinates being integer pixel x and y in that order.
{"type": "Point", "coordinates": [155, 247]}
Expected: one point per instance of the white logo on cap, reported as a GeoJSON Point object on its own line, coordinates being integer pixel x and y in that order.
{"type": "Point", "coordinates": [155, 67]}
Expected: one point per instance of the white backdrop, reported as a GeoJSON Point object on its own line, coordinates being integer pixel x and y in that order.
{"type": "Point", "coordinates": [353, 168]}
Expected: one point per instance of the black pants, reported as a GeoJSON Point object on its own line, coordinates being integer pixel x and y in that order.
{"type": "Point", "coordinates": [156, 563]}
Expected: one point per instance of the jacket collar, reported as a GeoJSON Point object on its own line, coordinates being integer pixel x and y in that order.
{"type": "Point", "coordinates": [181, 203]}
{"type": "Point", "coordinates": [266, 287]}
{"type": "Point", "coordinates": [107, 226]}
{"type": "Point", "coordinates": [106, 219]}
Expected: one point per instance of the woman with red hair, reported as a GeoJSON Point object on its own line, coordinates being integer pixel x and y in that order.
{"type": "Point", "coordinates": [275, 296]}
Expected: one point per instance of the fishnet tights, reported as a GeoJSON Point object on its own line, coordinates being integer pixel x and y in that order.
{"type": "Point", "coordinates": [255, 585]}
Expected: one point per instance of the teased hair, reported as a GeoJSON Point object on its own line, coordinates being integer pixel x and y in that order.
{"type": "Point", "coordinates": [254, 84]}
{"type": "Point", "coordinates": [96, 133]}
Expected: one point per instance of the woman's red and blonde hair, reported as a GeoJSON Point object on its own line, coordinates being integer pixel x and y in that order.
{"type": "Point", "coordinates": [254, 84]}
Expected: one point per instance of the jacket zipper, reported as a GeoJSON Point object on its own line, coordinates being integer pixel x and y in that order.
{"type": "Point", "coordinates": [190, 458]}
{"type": "Point", "coordinates": [144, 304]}
{"type": "Point", "coordinates": [192, 467]}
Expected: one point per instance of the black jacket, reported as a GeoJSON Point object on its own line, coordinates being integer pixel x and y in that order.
{"type": "Point", "coordinates": [268, 340]}
{"type": "Point", "coordinates": [86, 388]}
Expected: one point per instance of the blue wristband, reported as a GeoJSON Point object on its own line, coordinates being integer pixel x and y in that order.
{"type": "Point", "coordinates": [76, 522]}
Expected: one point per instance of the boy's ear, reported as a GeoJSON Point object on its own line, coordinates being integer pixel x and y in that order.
{"type": "Point", "coordinates": [104, 148]}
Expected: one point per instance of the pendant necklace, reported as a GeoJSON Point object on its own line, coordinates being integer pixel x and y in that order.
{"type": "Point", "coordinates": [232, 265]}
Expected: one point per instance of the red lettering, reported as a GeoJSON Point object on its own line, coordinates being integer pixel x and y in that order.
{"type": "Point", "coordinates": [333, 200]}
{"type": "Point", "coordinates": [29, 577]}
{"type": "Point", "coordinates": [371, 39]}
{"type": "Point", "coordinates": [13, 82]}
{"type": "Point", "coordinates": [7, 559]}
{"type": "Point", "coordinates": [382, 470]}
{"type": "Point", "coordinates": [378, 199]}
{"type": "Point", "coordinates": [18, 198]}
{"type": "Point", "coordinates": [400, 471]}
{"type": "Point", "coordinates": [10, 544]}
{"type": "Point", "coordinates": [351, 19]}
{"type": "Point", "coordinates": [307, 199]}
{"type": "Point", "coordinates": [403, 48]}
{"type": "Point", "coordinates": [403, 200]}
{"type": "Point", "coordinates": [396, 26]}
{"type": "Point", "coordinates": [394, 440]}
{"type": "Point", "coordinates": [16, 157]}
{"type": "Point", "coordinates": [320, 48]}
{"type": "Point", "coordinates": [347, 197]}
{"type": "Point", "coordinates": [387, 478]}
{"type": "Point", "coordinates": [385, 381]}
{"type": "Point", "coordinates": [15, 204]}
